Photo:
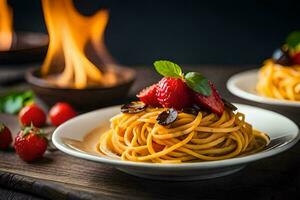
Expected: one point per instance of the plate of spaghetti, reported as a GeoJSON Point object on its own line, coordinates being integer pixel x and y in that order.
{"type": "Point", "coordinates": [277, 81]}
{"type": "Point", "coordinates": [179, 129]}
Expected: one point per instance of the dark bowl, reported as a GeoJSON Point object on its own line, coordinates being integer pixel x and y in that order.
{"type": "Point", "coordinates": [82, 99]}
{"type": "Point", "coordinates": [26, 47]}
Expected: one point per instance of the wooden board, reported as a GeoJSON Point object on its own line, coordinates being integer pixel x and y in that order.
{"type": "Point", "coordinates": [59, 176]}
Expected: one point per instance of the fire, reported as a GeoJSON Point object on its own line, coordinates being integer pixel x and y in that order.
{"type": "Point", "coordinates": [70, 33]}
{"type": "Point", "coordinates": [6, 32]}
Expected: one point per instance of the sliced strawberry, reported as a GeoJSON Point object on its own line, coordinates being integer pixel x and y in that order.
{"type": "Point", "coordinates": [213, 102]}
{"type": "Point", "coordinates": [148, 96]}
{"type": "Point", "coordinates": [173, 93]}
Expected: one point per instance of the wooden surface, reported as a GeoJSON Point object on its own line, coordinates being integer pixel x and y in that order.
{"type": "Point", "coordinates": [60, 176]}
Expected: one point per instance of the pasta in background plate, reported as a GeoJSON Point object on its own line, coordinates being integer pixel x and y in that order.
{"type": "Point", "coordinates": [279, 77]}
{"type": "Point", "coordinates": [279, 82]}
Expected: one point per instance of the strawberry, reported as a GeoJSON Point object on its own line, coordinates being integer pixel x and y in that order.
{"type": "Point", "coordinates": [178, 90]}
{"type": "Point", "coordinates": [5, 137]}
{"type": "Point", "coordinates": [60, 113]}
{"type": "Point", "coordinates": [32, 114]}
{"type": "Point", "coordinates": [148, 96]}
{"type": "Point", "coordinates": [296, 58]}
{"type": "Point", "coordinates": [30, 144]}
{"type": "Point", "coordinates": [213, 102]}
{"type": "Point", "coordinates": [173, 93]}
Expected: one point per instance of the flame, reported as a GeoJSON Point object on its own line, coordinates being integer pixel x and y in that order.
{"type": "Point", "coordinates": [6, 32]}
{"type": "Point", "coordinates": [69, 33]}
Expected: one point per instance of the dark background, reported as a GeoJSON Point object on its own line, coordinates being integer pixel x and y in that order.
{"type": "Point", "coordinates": [191, 32]}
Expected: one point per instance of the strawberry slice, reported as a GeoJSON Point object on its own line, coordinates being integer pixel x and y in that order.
{"type": "Point", "coordinates": [173, 93]}
{"type": "Point", "coordinates": [213, 102]}
{"type": "Point", "coordinates": [148, 96]}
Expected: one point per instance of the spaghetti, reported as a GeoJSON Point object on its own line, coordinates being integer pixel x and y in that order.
{"type": "Point", "coordinates": [190, 138]}
{"type": "Point", "coordinates": [278, 81]}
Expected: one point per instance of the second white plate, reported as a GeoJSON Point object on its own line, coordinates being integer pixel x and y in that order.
{"type": "Point", "coordinates": [243, 85]}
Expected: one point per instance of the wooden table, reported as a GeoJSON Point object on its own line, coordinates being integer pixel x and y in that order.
{"type": "Point", "coordinates": [60, 176]}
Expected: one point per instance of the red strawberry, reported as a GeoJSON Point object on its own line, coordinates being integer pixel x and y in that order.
{"type": "Point", "coordinates": [296, 58]}
{"type": "Point", "coordinates": [173, 93]}
{"type": "Point", "coordinates": [212, 102]}
{"type": "Point", "coordinates": [5, 137]}
{"type": "Point", "coordinates": [148, 96]}
{"type": "Point", "coordinates": [60, 113]}
{"type": "Point", "coordinates": [30, 144]}
{"type": "Point", "coordinates": [32, 114]}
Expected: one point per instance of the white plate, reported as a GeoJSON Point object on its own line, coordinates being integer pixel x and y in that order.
{"type": "Point", "coordinates": [243, 85]}
{"type": "Point", "coordinates": [283, 133]}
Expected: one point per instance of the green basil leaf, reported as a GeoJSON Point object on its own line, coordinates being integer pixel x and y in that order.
{"type": "Point", "coordinates": [168, 68]}
{"type": "Point", "coordinates": [293, 39]}
{"type": "Point", "coordinates": [13, 102]}
{"type": "Point", "coordinates": [28, 98]}
{"type": "Point", "coordinates": [27, 95]}
{"type": "Point", "coordinates": [13, 105]}
{"type": "Point", "coordinates": [198, 83]}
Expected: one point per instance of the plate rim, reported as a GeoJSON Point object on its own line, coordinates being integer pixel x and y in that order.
{"type": "Point", "coordinates": [237, 91]}
{"type": "Point", "coordinates": [198, 165]}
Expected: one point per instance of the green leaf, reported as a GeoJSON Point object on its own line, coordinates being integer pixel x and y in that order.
{"type": "Point", "coordinates": [293, 39]}
{"type": "Point", "coordinates": [27, 130]}
{"type": "Point", "coordinates": [13, 102]}
{"type": "Point", "coordinates": [1, 106]}
{"type": "Point", "coordinates": [37, 131]}
{"type": "Point", "coordinates": [27, 95]}
{"type": "Point", "coordinates": [168, 69]}
{"type": "Point", "coordinates": [198, 83]}
{"type": "Point", "coordinates": [28, 98]}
